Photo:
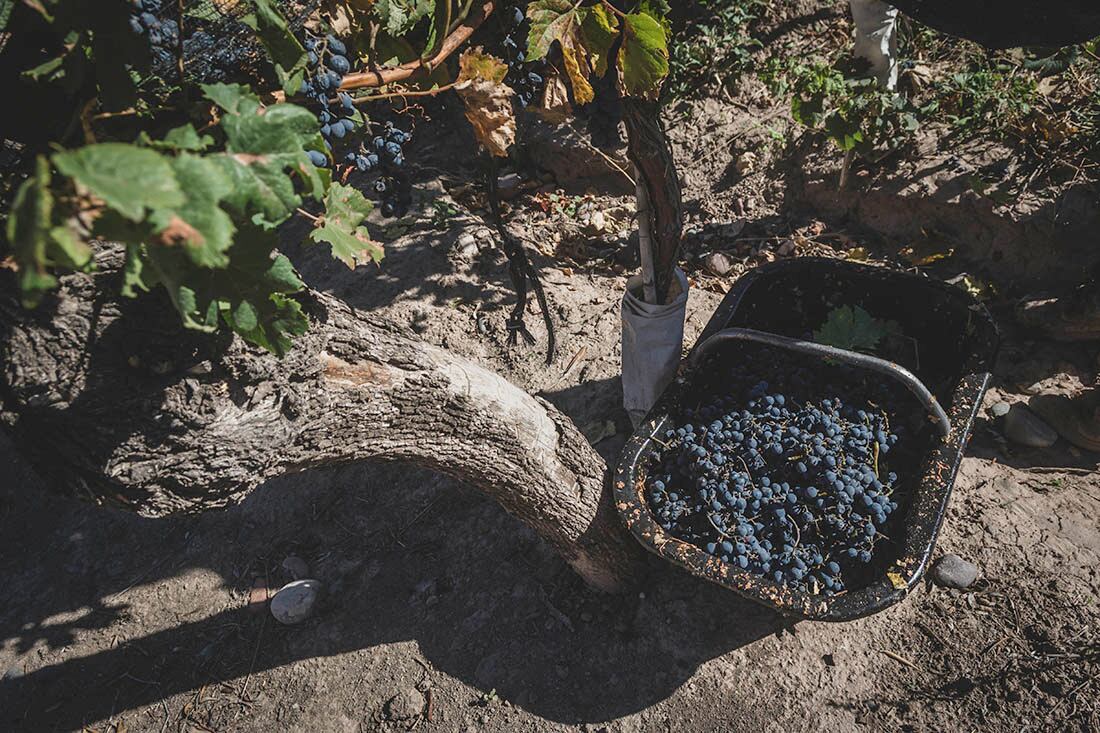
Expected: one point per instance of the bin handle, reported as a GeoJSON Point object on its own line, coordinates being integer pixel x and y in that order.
{"type": "Point", "coordinates": [824, 351]}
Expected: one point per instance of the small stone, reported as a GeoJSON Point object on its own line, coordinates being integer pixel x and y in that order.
{"type": "Point", "coordinates": [746, 163]}
{"type": "Point", "coordinates": [1025, 428]}
{"type": "Point", "coordinates": [508, 185]}
{"type": "Point", "coordinates": [467, 245]}
{"type": "Point", "coordinates": [718, 263]}
{"type": "Point", "coordinates": [405, 705]}
{"type": "Point", "coordinates": [1000, 409]}
{"type": "Point", "coordinates": [597, 223]}
{"type": "Point", "coordinates": [295, 567]}
{"type": "Point", "coordinates": [787, 248]}
{"type": "Point", "coordinates": [951, 571]}
{"type": "Point", "coordinates": [294, 602]}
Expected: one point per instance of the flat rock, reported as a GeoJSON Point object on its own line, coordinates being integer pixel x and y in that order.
{"type": "Point", "coordinates": [718, 263]}
{"type": "Point", "coordinates": [1024, 427]}
{"type": "Point", "coordinates": [294, 602]}
{"type": "Point", "coordinates": [466, 245]}
{"type": "Point", "coordinates": [951, 571]}
{"type": "Point", "coordinates": [405, 705]}
{"type": "Point", "coordinates": [1000, 409]}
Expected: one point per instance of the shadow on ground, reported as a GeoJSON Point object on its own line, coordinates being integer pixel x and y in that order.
{"type": "Point", "coordinates": [404, 555]}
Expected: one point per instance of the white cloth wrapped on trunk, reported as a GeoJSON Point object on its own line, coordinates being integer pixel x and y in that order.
{"type": "Point", "coordinates": [653, 342]}
{"type": "Point", "coordinates": [876, 39]}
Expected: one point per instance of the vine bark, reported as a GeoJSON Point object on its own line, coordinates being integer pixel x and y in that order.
{"type": "Point", "coordinates": [109, 401]}
{"type": "Point", "coordinates": [649, 150]}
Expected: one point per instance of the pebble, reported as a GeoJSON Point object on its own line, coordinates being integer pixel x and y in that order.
{"type": "Point", "coordinates": [294, 602]}
{"type": "Point", "coordinates": [467, 245]}
{"type": "Point", "coordinates": [295, 567]}
{"type": "Point", "coordinates": [1000, 409]}
{"type": "Point", "coordinates": [405, 705]}
{"type": "Point", "coordinates": [597, 223]}
{"type": "Point", "coordinates": [508, 185]}
{"type": "Point", "coordinates": [746, 163]}
{"type": "Point", "coordinates": [951, 571]}
{"type": "Point", "coordinates": [718, 263]}
{"type": "Point", "coordinates": [1025, 428]}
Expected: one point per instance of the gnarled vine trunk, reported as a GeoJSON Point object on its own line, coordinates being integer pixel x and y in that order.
{"type": "Point", "coordinates": [649, 150]}
{"type": "Point", "coordinates": [110, 400]}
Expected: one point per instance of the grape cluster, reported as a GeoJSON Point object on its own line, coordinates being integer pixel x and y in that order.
{"type": "Point", "coordinates": [163, 35]}
{"type": "Point", "coordinates": [385, 154]}
{"type": "Point", "coordinates": [526, 79]}
{"type": "Point", "coordinates": [777, 480]}
{"type": "Point", "coordinates": [385, 151]}
{"type": "Point", "coordinates": [328, 63]}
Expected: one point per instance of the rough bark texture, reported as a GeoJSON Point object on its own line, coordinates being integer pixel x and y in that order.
{"type": "Point", "coordinates": [110, 400]}
{"type": "Point", "coordinates": [651, 153]}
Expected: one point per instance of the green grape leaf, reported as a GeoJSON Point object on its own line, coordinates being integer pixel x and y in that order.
{"type": "Point", "coordinates": [854, 329]}
{"type": "Point", "coordinates": [199, 225]}
{"type": "Point", "coordinates": [262, 145]}
{"type": "Point", "coordinates": [134, 274]}
{"type": "Point", "coordinates": [399, 16]}
{"type": "Point", "coordinates": [28, 231]}
{"type": "Point", "coordinates": [282, 46]}
{"type": "Point", "coordinates": [180, 138]}
{"type": "Point", "coordinates": [6, 7]}
{"type": "Point", "coordinates": [643, 57]}
{"type": "Point", "coordinates": [249, 295]}
{"type": "Point", "coordinates": [341, 227]}
{"type": "Point", "coordinates": [129, 179]}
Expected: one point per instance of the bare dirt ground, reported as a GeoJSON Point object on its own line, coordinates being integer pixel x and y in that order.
{"type": "Point", "coordinates": [443, 613]}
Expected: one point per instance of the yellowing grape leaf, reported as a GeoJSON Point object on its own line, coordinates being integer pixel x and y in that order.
{"type": "Point", "coordinates": [561, 20]}
{"type": "Point", "coordinates": [599, 30]}
{"type": "Point", "coordinates": [555, 107]}
{"type": "Point", "coordinates": [488, 100]}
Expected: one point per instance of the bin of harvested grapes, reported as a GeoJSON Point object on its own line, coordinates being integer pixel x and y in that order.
{"type": "Point", "coordinates": [805, 455]}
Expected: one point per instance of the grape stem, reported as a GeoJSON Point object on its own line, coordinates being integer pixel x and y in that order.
{"type": "Point", "coordinates": [415, 93]}
{"type": "Point", "coordinates": [720, 532]}
{"type": "Point", "coordinates": [612, 8]}
{"type": "Point", "coordinates": [374, 79]}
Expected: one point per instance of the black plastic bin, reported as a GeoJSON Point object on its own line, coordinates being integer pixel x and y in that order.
{"type": "Point", "coordinates": [956, 341]}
